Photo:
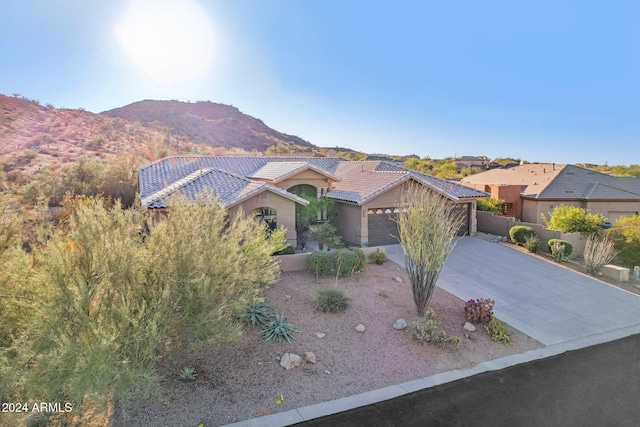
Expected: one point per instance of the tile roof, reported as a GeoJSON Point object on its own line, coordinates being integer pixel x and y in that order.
{"type": "Point", "coordinates": [549, 181]}
{"type": "Point", "coordinates": [229, 178]}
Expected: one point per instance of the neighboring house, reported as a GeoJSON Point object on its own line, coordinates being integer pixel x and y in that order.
{"type": "Point", "coordinates": [532, 190]}
{"type": "Point", "coordinates": [367, 193]}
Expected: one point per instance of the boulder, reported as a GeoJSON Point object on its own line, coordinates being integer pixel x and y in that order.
{"type": "Point", "coordinates": [320, 335]}
{"type": "Point", "coordinates": [469, 327]}
{"type": "Point", "coordinates": [360, 328]}
{"type": "Point", "coordinates": [290, 360]}
{"type": "Point", "coordinates": [400, 324]}
{"type": "Point", "coordinates": [398, 279]}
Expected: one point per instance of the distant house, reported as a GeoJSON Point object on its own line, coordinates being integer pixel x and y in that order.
{"type": "Point", "coordinates": [465, 162]}
{"type": "Point", "coordinates": [531, 190]}
{"type": "Point", "coordinates": [367, 193]}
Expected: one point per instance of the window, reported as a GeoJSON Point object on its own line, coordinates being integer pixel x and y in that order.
{"type": "Point", "coordinates": [268, 215]}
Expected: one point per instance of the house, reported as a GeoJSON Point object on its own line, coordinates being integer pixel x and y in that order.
{"type": "Point", "coordinates": [531, 190]}
{"type": "Point", "coordinates": [465, 162]}
{"type": "Point", "coordinates": [367, 193]}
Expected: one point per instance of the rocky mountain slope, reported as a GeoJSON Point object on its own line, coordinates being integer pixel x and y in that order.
{"type": "Point", "coordinates": [208, 123]}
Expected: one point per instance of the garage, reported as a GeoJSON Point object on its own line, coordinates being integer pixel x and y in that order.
{"type": "Point", "coordinates": [383, 230]}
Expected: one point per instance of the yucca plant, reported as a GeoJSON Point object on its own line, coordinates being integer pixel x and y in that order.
{"type": "Point", "coordinates": [188, 373]}
{"type": "Point", "coordinates": [279, 329]}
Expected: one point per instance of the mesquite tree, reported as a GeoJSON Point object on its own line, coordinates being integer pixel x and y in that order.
{"type": "Point", "coordinates": [427, 228]}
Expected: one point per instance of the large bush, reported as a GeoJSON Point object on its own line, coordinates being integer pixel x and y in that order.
{"type": "Point", "coordinates": [626, 237]}
{"type": "Point", "coordinates": [520, 233]}
{"type": "Point", "coordinates": [572, 219]}
{"type": "Point", "coordinates": [320, 262]}
{"type": "Point", "coordinates": [347, 262]}
{"type": "Point", "coordinates": [108, 288]}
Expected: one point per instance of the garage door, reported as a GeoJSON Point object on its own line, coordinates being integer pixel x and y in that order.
{"type": "Point", "coordinates": [383, 229]}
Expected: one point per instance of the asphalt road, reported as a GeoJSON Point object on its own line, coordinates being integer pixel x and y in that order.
{"type": "Point", "coordinates": [593, 386]}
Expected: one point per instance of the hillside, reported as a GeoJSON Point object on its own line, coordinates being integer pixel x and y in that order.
{"type": "Point", "coordinates": [33, 136]}
{"type": "Point", "coordinates": [215, 125]}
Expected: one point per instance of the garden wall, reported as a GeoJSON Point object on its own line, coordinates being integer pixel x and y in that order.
{"type": "Point", "coordinates": [298, 262]}
{"type": "Point", "coordinates": [500, 226]}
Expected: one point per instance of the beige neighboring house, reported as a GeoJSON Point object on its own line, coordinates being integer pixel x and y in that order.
{"type": "Point", "coordinates": [367, 193]}
{"type": "Point", "coordinates": [532, 190]}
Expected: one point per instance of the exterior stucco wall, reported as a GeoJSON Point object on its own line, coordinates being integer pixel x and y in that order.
{"type": "Point", "coordinates": [349, 223]}
{"type": "Point", "coordinates": [532, 210]}
{"type": "Point", "coordinates": [309, 177]}
{"type": "Point", "coordinates": [614, 210]}
{"type": "Point", "coordinates": [285, 208]}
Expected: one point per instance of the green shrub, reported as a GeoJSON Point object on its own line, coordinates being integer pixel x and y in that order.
{"type": "Point", "coordinates": [488, 204]}
{"type": "Point", "coordinates": [497, 331]}
{"type": "Point", "coordinates": [532, 243]}
{"type": "Point", "coordinates": [319, 262]}
{"type": "Point", "coordinates": [257, 314]}
{"type": "Point", "coordinates": [427, 331]}
{"type": "Point", "coordinates": [330, 300]}
{"type": "Point", "coordinates": [361, 255]}
{"type": "Point", "coordinates": [572, 219]}
{"type": "Point", "coordinates": [626, 238]}
{"type": "Point", "coordinates": [378, 257]}
{"type": "Point", "coordinates": [519, 233]}
{"type": "Point", "coordinates": [279, 329]}
{"type": "Point", "coordinates": [568, 247]}
{"type": "Point", "coordinates": [347, 262]}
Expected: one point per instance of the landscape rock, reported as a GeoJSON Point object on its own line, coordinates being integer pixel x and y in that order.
{"type": "Point", "coordinates": [290, 360]}
{"type": "Point", "coordinates": [469, 327]}
{"type": "Point", "coordinates": [309, 357]}
{"type": "Point", "coordinates": [320, 335]}
{"type": "Point", "coordinates": [398, 279]}
{"type": "Point", "coordinates": [360, 328]}
{"type": "Point", "coordinates": [400, 324]}
{"type": "Point", "coordinates": [328, 372]}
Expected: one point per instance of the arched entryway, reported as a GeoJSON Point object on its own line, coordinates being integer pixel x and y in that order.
{"type": "Point", "coordinates": [303, 213]}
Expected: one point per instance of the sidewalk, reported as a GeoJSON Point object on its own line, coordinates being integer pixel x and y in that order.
{"type": "Point", "coordinates": [558, 307]}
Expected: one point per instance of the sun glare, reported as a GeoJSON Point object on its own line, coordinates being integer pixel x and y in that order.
{"type": "Point", "coordinates": [170, 40]}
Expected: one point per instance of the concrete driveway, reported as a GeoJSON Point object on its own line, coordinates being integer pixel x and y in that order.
{"type": "Point", "coordinates": [545, 301]}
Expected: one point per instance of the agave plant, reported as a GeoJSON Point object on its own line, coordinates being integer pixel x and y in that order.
{"type": "Point", "coordinates": [257, 314]}
{"type": "Point", "coordinates": [279, 329]}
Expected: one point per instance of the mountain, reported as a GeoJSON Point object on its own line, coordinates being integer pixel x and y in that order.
{"type": "Point", "coordinates": [33, 136]}
{"type": "Point", "coordinates": [209, 123]}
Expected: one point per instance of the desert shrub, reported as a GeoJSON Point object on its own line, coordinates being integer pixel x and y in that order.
{"type": "Point", "coordinates": [567, 247]}
{"type": "Point", "coordinates": [361, 256]}
{"type": "Point", "coordinates": [257, 314]}
{"type": "Point", "coordinates": [188, 373]}
{"type": "Point", "coordinates": [279, 329]}
{"type": "Point", "coordinates": [488, 204]}
{"type": "Point", "coordinates": [479, 310]}
{"type": "Point", "coordinates": [330, 300]}
{"type": "Point", "coordinates": [497, 331]}
{"type": "Point", "coordinates": [319, 262]}
{"type": "Point", "coordinates": [288, 250]}
{"type": "Point", "coordinates": [626, 238]}
{"type": "Point", "coordinates": [378, 257]}
{"type": "Point", "coordinates": [572, 219]}
{"type": "Point", "coordinates": [598, 252]}
{"type": "Point", "coordinates": [347, 262]}
{"type": "Point", "coordinates": [427, 331]}
{"type": "Point", "coordinates": [532, 243]}
{"type": "Point", "coordinates": [519, 233]}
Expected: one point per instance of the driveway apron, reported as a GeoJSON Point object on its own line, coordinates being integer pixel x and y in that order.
{"type": "Point", "coordinates": [549, 303]}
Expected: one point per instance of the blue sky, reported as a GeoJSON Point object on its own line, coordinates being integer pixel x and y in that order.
{"type": "Point", "coordinates": [547, 81]}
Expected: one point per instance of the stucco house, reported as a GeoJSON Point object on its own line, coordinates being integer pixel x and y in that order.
{"type": "Point", "coordinates": [531, 190]}
{"type": "Point", "coordinates": [367, 193]}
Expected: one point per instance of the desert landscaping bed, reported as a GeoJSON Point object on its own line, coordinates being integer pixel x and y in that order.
{"type": "Point", "coordinates": [242, 380]}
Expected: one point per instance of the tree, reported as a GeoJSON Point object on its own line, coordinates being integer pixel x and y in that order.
{"type": "Point", "coordinates": [626, 237]}
{"type": "Point", "coordinates": [572, 219]}
{"type": "Point", "coordinates": [487, 204]}
{"type": "Point", "coordinates": [427, 230]}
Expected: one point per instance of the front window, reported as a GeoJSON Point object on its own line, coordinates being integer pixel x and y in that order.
{"type": "Point", "coordinates": [268, 215]}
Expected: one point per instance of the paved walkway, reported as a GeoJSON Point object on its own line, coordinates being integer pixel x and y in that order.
{"type": "Point", "coordinates": [547, 302]}
{"type": "Point", "coordinates": [560, 308]}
